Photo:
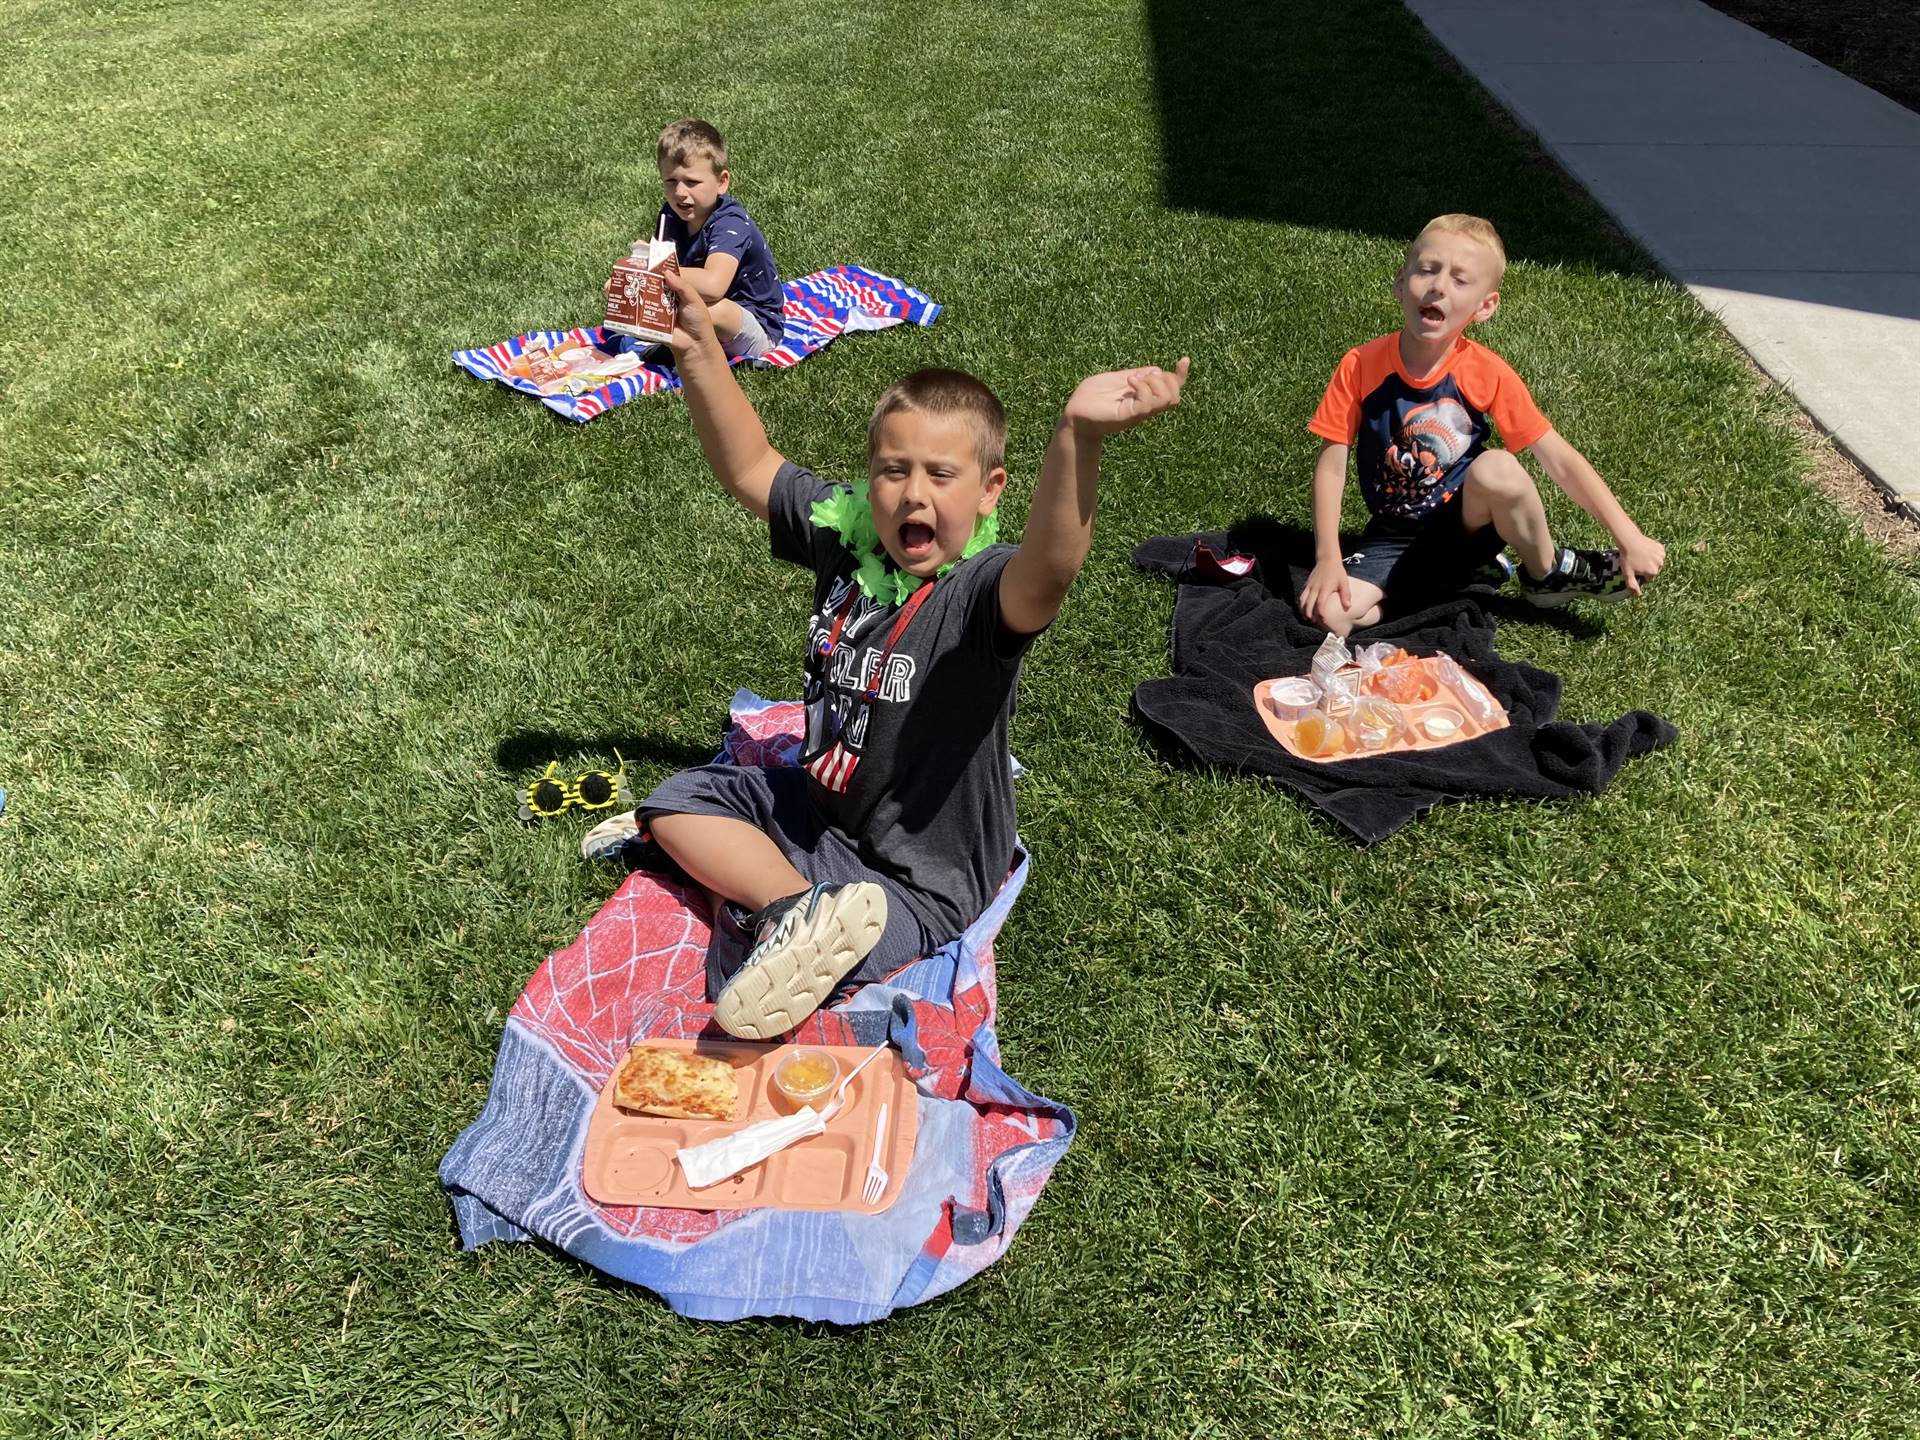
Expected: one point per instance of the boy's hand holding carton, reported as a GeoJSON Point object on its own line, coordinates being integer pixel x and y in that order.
{"type": "Point", "coordinates": [639, 303]}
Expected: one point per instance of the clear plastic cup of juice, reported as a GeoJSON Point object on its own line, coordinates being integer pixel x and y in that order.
{"type": "Point", "coordinates": [1319, 734]}
{"type": "Point", "coordinates": [804, 1076]}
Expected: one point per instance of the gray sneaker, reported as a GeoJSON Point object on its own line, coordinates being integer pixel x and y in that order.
{"type": "Point", "coordinates": [803, 946]}
{"type": "Point", "coordinates": [610, 837]}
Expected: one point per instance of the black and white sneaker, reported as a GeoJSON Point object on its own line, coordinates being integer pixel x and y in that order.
{"type": "Point", "coordinates": [803, 946]}
{"type": "Point", "coordinates": [1577, 575]}
{"type": "Point", "coordinates": [1495, 575]}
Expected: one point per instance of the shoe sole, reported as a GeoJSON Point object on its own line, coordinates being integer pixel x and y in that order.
{"type": "Point", "coordinates": [1560, 599]}
{"type": "Point", "coordinates": [778, 991]}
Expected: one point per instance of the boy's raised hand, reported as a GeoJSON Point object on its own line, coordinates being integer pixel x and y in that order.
{"type": "Point", "coordinates": [1120, 399]}
{"type": "Point", "coordinates": [731, 435]}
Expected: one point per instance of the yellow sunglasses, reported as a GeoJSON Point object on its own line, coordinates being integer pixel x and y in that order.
{"type": "Point", "coordinates": [589, 790]}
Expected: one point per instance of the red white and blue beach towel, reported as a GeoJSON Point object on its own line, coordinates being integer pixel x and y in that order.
{"type": "Point", "coordinates": [985, 1148]}
{"type": "Point", "coordinates": [817, 309]}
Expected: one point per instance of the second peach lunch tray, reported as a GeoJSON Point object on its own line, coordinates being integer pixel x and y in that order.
{"type": "Point", "coordinates": [1445, 698]}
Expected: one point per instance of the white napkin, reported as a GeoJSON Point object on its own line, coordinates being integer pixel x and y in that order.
{"type": "Point", "coordinates": [714, 1161]}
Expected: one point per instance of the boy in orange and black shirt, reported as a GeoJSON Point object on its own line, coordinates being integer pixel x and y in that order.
{"type": "Point", "coordinates": [1415, 406]}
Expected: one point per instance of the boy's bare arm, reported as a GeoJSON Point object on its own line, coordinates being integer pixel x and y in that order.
{"type": "Point", "coordinates": [1328, 579]}
{"type": "Point", "coordinates": [1641, 556]}
{"type": "Point", "coordinates": [713, 278]}
{"type": "Point", "coordinates": [731, 435]}
{"type": "Point", "coordinates": [1060, 523]}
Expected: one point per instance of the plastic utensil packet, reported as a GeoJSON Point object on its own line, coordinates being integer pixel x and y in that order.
{"type": "Point", "coordinates": [714, 1161]}
{"type": "Point", "coordinates": [1341, 688]}
{"type": "Point", "coordinates": [1480, 704]}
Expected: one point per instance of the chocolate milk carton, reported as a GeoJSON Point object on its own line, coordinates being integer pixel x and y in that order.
{"type": "Point", "coordinates": [638, 302]}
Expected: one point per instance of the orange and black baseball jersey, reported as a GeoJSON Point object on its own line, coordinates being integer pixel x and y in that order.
{"type": "Point", "coordinates": [1413, 440]}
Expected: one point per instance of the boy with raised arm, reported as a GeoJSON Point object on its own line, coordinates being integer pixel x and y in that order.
{"type": "Point", "coordinates": [898, 827]}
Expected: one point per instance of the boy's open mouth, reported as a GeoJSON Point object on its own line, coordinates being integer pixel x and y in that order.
{"type": "Point", "coordinates": [1431, 312]}
{"type": "Point", "coordinates": [916, 540]}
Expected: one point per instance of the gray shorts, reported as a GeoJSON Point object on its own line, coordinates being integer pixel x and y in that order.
{"type": "Point", "coordinates": [751, 343]}
{"type": "Point", "coordinates": [774, 800]}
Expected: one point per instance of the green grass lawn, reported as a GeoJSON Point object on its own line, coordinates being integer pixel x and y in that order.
{"type": "Point", "coordinates": [1535, 1119]}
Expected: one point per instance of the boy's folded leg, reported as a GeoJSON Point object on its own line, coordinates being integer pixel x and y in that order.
{"type": "Point", "coordinates": [750, 341]}
{"type": "Point", "coordinates": [804, 946]}
{"type": "Point", "coordinates": [775, 801]}
{"type": "Point", "coordinates": [1434, 559]}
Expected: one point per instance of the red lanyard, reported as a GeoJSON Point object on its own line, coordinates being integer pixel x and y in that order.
{"type": "Point", "coordinates": [899, 628]}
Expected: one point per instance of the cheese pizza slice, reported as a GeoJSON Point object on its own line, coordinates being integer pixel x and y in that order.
{"type": "Point", "coordinates": [675, 1083]}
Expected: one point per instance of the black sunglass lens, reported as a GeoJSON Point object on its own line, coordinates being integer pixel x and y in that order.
{"type": "Point", "coordinates": [596, 789]}
{"type": "Point", "coordinates": [546, 795]}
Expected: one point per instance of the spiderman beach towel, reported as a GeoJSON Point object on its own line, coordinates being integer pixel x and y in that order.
{"type": "Point", "coordinates": [985, 1147]}
{"type": "Point", "coordinates": [817, 309]}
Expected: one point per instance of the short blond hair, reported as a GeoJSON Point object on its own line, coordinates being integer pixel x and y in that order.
{"type": "Point", "coordinates": [684, 139]}
{"type": "Point", "coordinates": [948, 392]}
{"type": "Point", "coordinates": [1474, 228]}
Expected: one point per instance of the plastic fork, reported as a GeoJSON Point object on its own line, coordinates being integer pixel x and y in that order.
{"type": "Point", "coordinates": [832, 1107]}
{"type": "Point", "coordinates": [876, 1185]}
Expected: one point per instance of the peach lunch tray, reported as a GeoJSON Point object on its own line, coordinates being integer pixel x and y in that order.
{"type": "Point", "coordinates": [630, 1158]}
{"type": "Point", "coordinates": [1444, 709]}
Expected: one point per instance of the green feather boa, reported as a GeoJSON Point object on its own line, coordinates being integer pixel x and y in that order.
{"type": "Point", "coordinates": [849, 514]}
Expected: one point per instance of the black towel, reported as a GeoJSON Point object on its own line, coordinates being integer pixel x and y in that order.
{"type": "Point", "coordinates": [1230, 632]}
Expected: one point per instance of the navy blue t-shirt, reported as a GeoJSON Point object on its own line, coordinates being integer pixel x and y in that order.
{"type": "Point", "coordinates": [730, 231]}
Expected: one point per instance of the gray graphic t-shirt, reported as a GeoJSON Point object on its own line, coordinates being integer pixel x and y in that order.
{"type": "Point", "coordinates": [917, 778]}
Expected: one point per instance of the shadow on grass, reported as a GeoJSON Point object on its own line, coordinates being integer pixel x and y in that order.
{"type": "Point", "coordinates": [1348, 116]}
{"type": "Point", "coordinates": [532, 749]}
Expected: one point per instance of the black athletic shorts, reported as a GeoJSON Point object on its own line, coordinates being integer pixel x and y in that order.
{"type": "Point", "coordinates": [1436, 556]}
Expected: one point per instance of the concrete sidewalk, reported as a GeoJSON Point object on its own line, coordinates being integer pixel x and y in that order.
{"type": "Point", "coordinates": [1784, 195]}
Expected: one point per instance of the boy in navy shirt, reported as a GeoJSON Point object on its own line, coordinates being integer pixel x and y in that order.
{"type": "Point", "coordinates": [721, 251]}
{"type": "Point", "coordinates": [1418, 402]}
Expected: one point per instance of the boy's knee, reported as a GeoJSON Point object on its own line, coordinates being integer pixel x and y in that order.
{"type": "Point", "coordinates": [1338, 619]}
{"type": "Point", "coordinates": [726, 318]}
{"type": "Point", "coordinates": [1499, 474]}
